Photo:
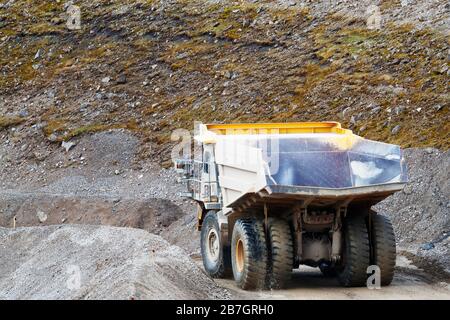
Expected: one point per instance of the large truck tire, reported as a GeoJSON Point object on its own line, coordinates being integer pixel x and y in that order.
{"type": "Point", "coordinates": [216, 256]}
{"type": "Point", "coordinates": [352, 271]}
{"type": "Point", "coordinates": [280, 253]}
{"type": "Point", "coordinates": [382, 240]}
{"type": "Point", "coordinates": [249, 254]}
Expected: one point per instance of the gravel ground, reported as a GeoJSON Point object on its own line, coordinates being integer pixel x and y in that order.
{"type": "Point", "coordinates": [104, 164]}
{"type": "Point", "coordinates": [97, 262]}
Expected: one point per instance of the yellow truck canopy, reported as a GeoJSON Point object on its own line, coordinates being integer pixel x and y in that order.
{"type": "Point", "coordinates": [277, 128]}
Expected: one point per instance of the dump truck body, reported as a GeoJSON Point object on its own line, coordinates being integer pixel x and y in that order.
{"type": "Point", "coordinates": [307, 174]}
{"type": "Point", "coordinates": [268, 162]}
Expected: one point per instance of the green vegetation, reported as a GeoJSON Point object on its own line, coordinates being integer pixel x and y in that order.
{"type": "Point", "coordinates": [8, 121]}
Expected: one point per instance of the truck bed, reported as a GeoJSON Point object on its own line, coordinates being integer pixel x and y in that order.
{"type": "Point", "coordinates": [283, 196]}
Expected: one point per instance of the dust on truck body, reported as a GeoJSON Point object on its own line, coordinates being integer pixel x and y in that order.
{"type": "Point", "coordinates": [273, 196]}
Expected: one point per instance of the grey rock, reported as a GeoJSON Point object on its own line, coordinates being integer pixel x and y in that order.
{"type": "Point", "coordinates": [345, 111]}
{"type": "Point", "coordinates": [182, 55]}
{"type": "Point", "coordinates": [52, 138]}
{"type": "Point", "coordinates": [396, 129]}
{"type": "Point", "coordinates": [67, 145]}
{"type": "Point", "coordinates": [404, 3]}
{"type": "Point", "coordinates": [427, 246]}
{"type": "Point", "coordinates": [42, 217]}
{"type": "Point", "coordinates": [38, 54]}
{"type": "Point", "coordinates": [408, 189]}
{"type": "Point", "coordinates": [84, 106]}
{"type": "Point", "coordinates": [23, 113]}
{"type": "Point", "coordinates": [51, 94]}
{"type": "Point", "coordinates": [375, 110]}
{"type": "Point", "coordinates": [399, 110]}
{"type": "Point", "coordinates": [228, 74]}
{"type": "Point", "coordinates": [122, 79]}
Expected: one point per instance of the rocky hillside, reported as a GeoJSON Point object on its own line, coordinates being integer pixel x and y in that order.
{"type": "Point", "coordinates": [154, 66]}
{"type": "Point", "coordinates": [420, 212]}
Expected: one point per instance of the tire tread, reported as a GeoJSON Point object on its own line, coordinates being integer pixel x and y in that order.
{"type": "Point", "coordinates": [384, 250]}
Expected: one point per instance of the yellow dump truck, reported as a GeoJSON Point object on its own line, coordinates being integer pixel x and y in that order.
{"type": "Point", "coordinates": [273, 196]}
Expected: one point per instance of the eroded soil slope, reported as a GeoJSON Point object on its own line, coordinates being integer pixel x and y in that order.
{"type": "Point", "coordinates": [153, 66]}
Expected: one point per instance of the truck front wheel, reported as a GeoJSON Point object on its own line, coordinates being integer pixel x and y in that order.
{"type": "Point", "coordinates": [249, 254]}
{"type": "Point", "coordinates": [216, 256]}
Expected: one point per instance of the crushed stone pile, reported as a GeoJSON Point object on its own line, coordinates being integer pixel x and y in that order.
{"type": "Point", "coordinates": [97, 262]}
{"type": "Point", "coordinates": [421, 212]}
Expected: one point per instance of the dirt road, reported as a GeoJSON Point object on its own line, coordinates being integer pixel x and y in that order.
{"type": "Point", "coordinates": [409, 283]}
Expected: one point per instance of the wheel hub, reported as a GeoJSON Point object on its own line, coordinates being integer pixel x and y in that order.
{"type": "Point", "coordinates": [240, 255]}
{"type": "Point", "coordinates": [213, 245]}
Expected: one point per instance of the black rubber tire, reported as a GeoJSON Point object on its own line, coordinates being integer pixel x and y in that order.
{"type": "Point", "coordinates": [356, 253]}
{"type": "Point", "coordinates": [382, 242]}
{"type": "Point", "coordinates": [220, 268]}
{"type": "Point", "coordinates": [251, 234]}
{"type": "Point", "coordinates": [280, 248]}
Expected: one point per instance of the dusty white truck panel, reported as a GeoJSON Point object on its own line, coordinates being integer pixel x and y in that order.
{"type": "Point", "coordinates": [250, 163]}
{"type": "Point", "coordinates": [241, 169]}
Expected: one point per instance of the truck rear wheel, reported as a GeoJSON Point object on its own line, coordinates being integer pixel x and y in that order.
{"type": "Point", "coordinates": [356, 253]}
{"type": "Point", "coordinates": [249, 254]}
{"type": "Point", "coordinates": [383, 247]}
{"type": "Point", "coordinates": [216, 256]}
{"type": "Point", "coordinates": [280, 253]}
